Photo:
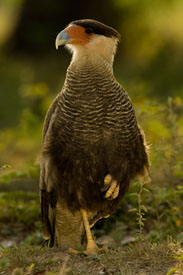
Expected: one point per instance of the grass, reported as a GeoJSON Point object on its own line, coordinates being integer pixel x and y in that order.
{"type": "Point", "coordinates": [139, 258]}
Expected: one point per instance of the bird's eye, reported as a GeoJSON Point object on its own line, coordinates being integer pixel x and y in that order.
{"type": "Point", "coordinates": [88, 31]}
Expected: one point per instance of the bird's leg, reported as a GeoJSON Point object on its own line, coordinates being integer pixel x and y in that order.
{"type": "Point", "coordinates": [113, 190]}
{"type": "Point", "coordinates": [91, 248]}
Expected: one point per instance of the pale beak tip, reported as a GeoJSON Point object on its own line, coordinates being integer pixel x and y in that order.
{"type": "Point", "coordinates": [62, 39]}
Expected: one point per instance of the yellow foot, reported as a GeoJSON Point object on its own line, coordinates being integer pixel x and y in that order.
{"type": "Point", "coordinates": [92, 249]}
{"type": "Point", "coordinates": [113, 190]}
{"type": "Point", "coordinates": [73, 251]}
{"type": "Point", "coordinates": [97, 250]}
{"type": "Point", "coordinates": [89, 251]}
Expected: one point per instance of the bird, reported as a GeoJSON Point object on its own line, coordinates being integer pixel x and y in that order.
{"type": "Point", "coordinates": [92, 145]}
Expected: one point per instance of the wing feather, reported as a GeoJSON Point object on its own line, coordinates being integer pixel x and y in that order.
{"type": "Point", "coordinates": [47, 194]}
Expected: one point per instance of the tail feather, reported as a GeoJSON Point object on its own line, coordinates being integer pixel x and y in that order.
{"type": "Point", "coordinates": [47, 223]}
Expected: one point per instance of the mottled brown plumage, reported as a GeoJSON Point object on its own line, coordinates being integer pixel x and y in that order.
{"type": "Point", "coordinates": [90, 131]}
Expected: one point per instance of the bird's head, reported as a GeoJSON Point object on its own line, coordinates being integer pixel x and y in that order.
{"type": "Point", "coordinates": [89, 39]}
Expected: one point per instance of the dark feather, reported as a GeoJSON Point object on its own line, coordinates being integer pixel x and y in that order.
{"type": "Point", "coordinates": [97, 27]}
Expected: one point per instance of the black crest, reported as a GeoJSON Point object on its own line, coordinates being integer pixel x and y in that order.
{"type": "Point", "coordinates": [97, 27]}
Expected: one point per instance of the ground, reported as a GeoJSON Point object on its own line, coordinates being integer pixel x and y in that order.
{"type": "Point", "coordinates": [140, 258]}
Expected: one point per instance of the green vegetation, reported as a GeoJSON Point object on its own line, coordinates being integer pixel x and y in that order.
{"type": "Point", "coordinates": [147, 228]}
{"type": "Point", "coordinates": [139, 258]}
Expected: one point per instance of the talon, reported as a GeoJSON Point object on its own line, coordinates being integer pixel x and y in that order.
{"type": "Point", "coordinates": [113, 190]}
{"type": "Point", "coordinates": [92, 248]}
{"type": "Point", "coordinates": [107, 179]}
{"type": "Point", "coordinates": [116, 192]}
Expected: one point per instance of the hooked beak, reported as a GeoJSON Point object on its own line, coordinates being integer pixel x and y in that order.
{"type": "Point", "coordinates": [62, 39]}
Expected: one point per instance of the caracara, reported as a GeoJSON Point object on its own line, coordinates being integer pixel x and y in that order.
{"type": "Point", "coordinates": [92, 145]}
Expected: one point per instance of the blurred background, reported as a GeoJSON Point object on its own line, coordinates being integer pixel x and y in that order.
{"type": "Point", "coordinates": [148, 64]}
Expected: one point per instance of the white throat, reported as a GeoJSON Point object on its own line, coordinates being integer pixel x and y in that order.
{"type": "Point", "coordinates": [97, 49]}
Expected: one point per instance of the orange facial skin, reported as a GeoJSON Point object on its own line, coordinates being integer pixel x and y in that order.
{"type": "Point", "coordinates": [78, 35]}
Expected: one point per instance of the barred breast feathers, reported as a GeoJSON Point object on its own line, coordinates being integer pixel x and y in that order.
{"type": "Point", "coordinates": [96, 89]}
{"type": "Point", "coordinates": [90, 100]}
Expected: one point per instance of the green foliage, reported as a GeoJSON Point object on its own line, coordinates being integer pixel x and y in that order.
{"type": "Point", "coordinates": [148, 64]}
{"type": "Point", "coordinates": [141, 210]}
{"type": "Point", "coordinates": [5, 166]}
{"type": "Point", "coordinates": [20, 217]}
{"type": "Point", "coordinates": [32, 172]}
{"type": "Point", "coordinates": [4, 263]}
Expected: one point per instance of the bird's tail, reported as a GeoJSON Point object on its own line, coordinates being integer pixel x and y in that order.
{"type": "Point", "coordinates": [48, 218]}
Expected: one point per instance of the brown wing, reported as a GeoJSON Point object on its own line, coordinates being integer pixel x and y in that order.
{"type": "Point", "coordinates": [47, 194]}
